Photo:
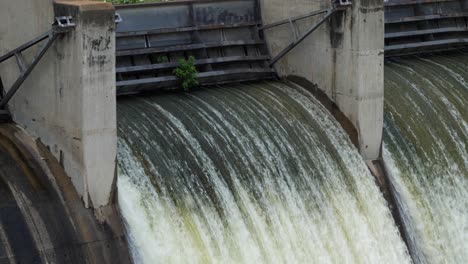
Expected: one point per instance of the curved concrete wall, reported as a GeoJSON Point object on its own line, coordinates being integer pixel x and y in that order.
{"type": "Point", "coordinates": [42, 219]}
{"type": "Point", "coordinates": [343, 57]}
{"type": "Point", "coordinates": [69, 99]}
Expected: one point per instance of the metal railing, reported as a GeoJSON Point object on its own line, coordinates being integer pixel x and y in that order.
{"type": "Point", "coordinates": [61, 25]}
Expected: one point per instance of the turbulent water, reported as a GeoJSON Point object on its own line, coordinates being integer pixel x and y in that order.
{"type": "Point", "coordinates": [426, 151]}
{"type": "Point", "coordinates": [256, 173]}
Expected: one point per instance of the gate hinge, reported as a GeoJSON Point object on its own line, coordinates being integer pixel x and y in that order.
{"type": "Point", "coordinates": [64, 22]}
{"type": "Point", "coordinates": [118, 18]}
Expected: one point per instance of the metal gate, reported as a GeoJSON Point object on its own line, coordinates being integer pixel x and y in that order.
{"type": "Point", "coordinates": [223, 37]}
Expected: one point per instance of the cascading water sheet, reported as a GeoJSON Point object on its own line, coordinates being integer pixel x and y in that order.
{"type": "Point", "coordinates": [247, 173]}
{"type": "Point", "coordinates": [426, 152]}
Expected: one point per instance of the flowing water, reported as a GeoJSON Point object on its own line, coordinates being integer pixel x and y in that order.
{"type": "Point", "coordinates": [253, 173]}
{"type": "Point", "coordinates": [426, 152]}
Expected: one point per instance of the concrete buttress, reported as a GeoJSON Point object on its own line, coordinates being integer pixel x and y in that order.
{"type": "Point", "coordinates": [69, 100]}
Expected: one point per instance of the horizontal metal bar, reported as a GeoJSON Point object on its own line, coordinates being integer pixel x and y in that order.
{"type": "Point", "coordinates": [426, 44]}
{"type": "Point", "coordinates": [25, 46]}
{"type": "Point", "coordinates": [170, 65]}
{"type": "Point", "coordinates": [146, 81]}
{"type": "Point", "coordinates": [421, 51]}
{"type": "Point", "coordinates": [171, 85]}
{"type": "Point", "coordinates": [299, 40]}
{"type": "Point", "coordinates": [183, 29]}
{"type": "Point", "coordinates": [285, 21]}
{"type": "Point", "coordinates": [199, 76]}
{"type": "Point", "coordinates": [25, 73]}
{"type": "Point", "coordinates": [241, 79]}
{"type": "Point", "coordinates": [172, 3]}
{"type": "Point", "coordinates": [186, 47]}
{"type": "Point", "coordinates": [413, 2]}
{"type": "Point", "coordinates": [427, 17]}
{"type": "Point", "coordinates": [219, 77]}
{"type": "Point", "coordinates": [425, 32]}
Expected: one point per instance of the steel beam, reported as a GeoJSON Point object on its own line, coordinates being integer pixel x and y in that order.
{"type": "Point", "coordinates": [25, 46]}
{"type": "Point", "coordinates": [301, 38]}
{"type": "Point", "coordinates": [426, 44]}
{"type": "Point", "coordinates": [200, 76]}
{"type": "Point", "coordinates": [172, 65]}
{"type": "Point", "coordinates": [414, 2]}
{"type": "Point", "coordinates": [24, 74]}
{"type": "Point", "coordinates": [293, 19]}
{"type": "Point", "coordinates": [426, 17]}
{"type": "Point", "coordinates": [184, 29]}
{"type": "Point", "coordinates": [413, 33]}
{"type": "Point", "coordinates": [187, 47]}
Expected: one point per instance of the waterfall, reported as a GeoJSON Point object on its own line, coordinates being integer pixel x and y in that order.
{"type": "Point", "coordinates": [426, 152]}
{"type": "Point", "coordinates": [247, 173]}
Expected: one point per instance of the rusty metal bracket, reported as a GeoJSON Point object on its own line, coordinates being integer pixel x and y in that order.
{"type": "Point", "coordinates": [60, 26]}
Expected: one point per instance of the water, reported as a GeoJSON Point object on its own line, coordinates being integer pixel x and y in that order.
{"type": "Point", "coordinates": [426, 151]}
{"type": "Point", "coordinates": [256, 173]}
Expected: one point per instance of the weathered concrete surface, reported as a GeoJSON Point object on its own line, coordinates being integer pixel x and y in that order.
{"type": "Point", "coordinates": [68, 101]}
{"type": "Point", "coordinates": [344, 58]}
{"type": "Point", "coordinates": [42, 218]}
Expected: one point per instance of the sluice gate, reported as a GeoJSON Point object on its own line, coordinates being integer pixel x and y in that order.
{"type": "Point", "coordinates": [420, 26]}
{"type": "Point", "coordinates": [224, 37]}
{"type": "Point", "coordinates": [221, 36]}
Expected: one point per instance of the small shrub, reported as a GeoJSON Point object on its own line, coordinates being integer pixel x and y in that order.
{"type": "Point", "coordinates": [186, 72]}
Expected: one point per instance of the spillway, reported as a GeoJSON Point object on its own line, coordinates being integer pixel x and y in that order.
{"type": "Point", "coordinates": [426, 152]}
{"type": "Point", "coordinates": [247, 173]}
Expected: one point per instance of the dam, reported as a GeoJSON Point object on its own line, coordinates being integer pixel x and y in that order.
{"type": "Point", "coordinates": [237, 131]}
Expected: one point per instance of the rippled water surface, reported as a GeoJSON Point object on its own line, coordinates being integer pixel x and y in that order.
{"type": "Point", "coordinates": [426, 151]}
{"type": "Point", "coordinates": [248, 173]}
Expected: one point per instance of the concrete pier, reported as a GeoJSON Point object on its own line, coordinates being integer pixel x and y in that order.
{"type": "Point", "coordinates": [69, 100]}
{"type": "Point", "coordinates": [343, 57]}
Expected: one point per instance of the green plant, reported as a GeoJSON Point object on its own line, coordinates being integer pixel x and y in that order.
{"type": "Point", "coordinates": [186, 72]}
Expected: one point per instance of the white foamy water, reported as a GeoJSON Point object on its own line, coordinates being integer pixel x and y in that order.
{"type": "Point", "coordinates": [254, 173]}
{"type": "Point", "coordinates": [426, 152]}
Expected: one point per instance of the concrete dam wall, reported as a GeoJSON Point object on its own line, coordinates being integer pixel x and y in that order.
{"type": "Point", "coordinates": [270, 156]}
{"type": "Point", "coordinates": [68, 101]}
{"type": "Point", "coordinates": [74, 111]}
{"type": "Point", "coordinates": [344, 58]}
{"type": "Point", "coordinates": [42, 219]}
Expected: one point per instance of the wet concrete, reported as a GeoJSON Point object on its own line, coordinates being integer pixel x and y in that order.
{"type": "Point", "coordinates": [42, 218]}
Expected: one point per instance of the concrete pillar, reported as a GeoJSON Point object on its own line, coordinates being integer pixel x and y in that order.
{"type": "Point", "coordinates": [69, 100]}
{"type": "Point", "coordinates": [344, 58]}
{"type": "Point", "coordinates": [360, 73]}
